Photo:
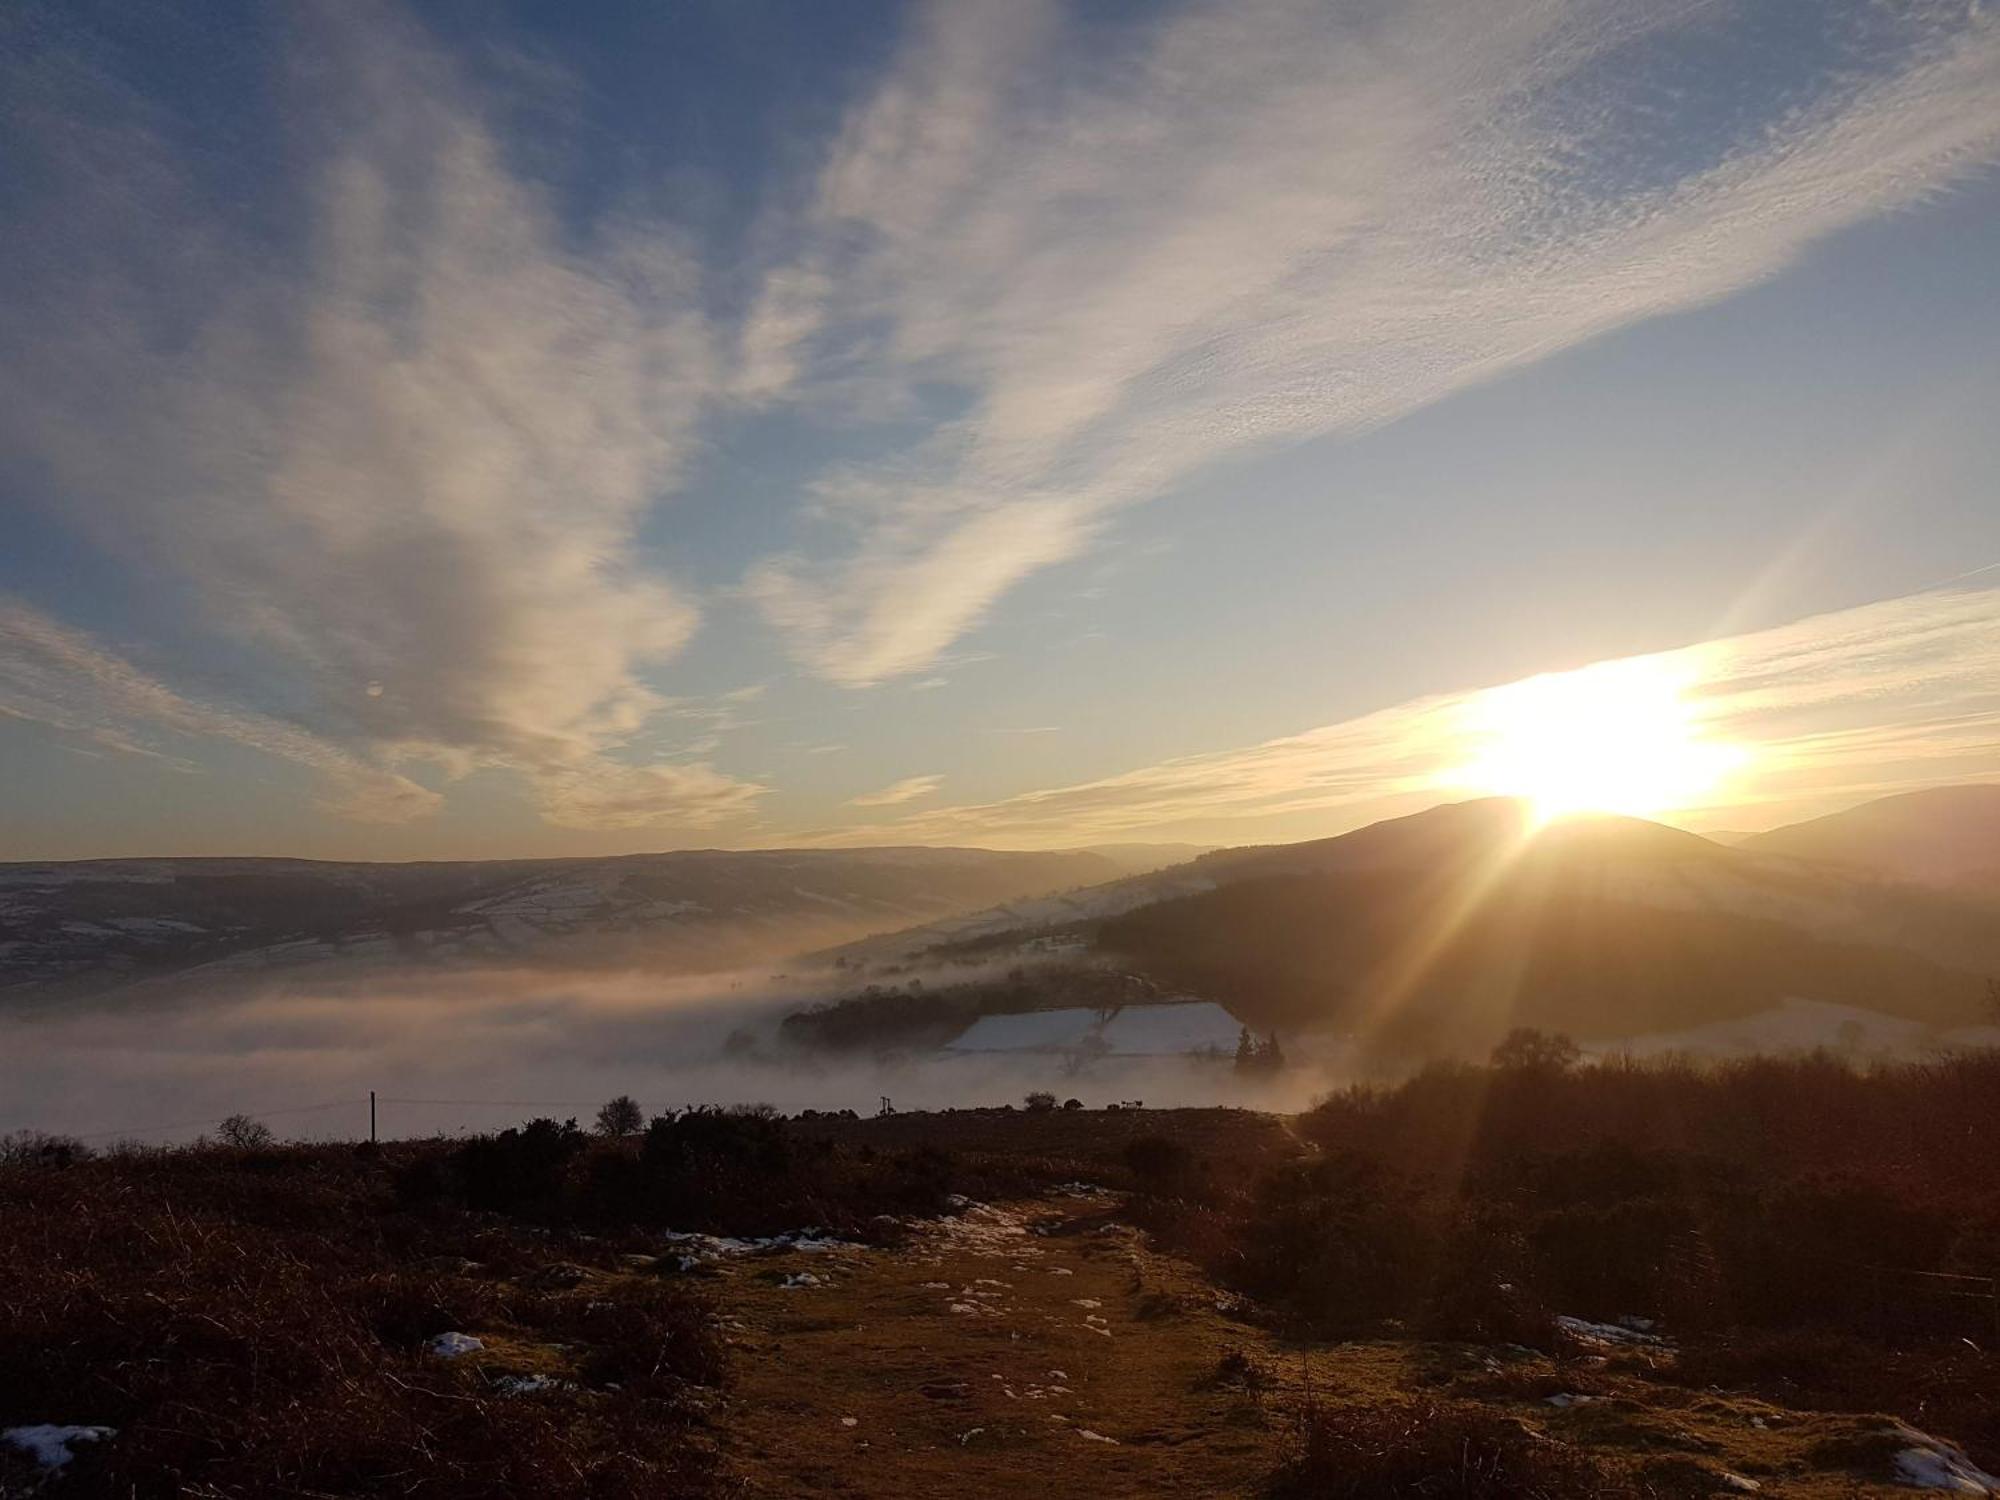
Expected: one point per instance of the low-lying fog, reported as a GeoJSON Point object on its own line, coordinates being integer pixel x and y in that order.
{"type": "Point", "coordinates": [490, 1048]}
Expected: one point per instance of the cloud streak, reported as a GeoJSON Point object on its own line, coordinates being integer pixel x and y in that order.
{"type": "Point", "coordinates": [1833, 709]}
{"type": "Point", "coordinates": [909, 789]}
{"type": "Point", "coordinates": [1246, 224]}
{"type": "Point", "coordinates": [59, 677]}
{"type": "Point", "coordinates": [406, 464]}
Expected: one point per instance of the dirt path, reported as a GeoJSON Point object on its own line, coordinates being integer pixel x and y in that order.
{"type": "Point", "coordinates": [1039, 1349]}
{"type": "Point", "coordinates": [1015, 1346]}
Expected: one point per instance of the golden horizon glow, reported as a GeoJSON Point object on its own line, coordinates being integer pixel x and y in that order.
{"type": "Point", "coordinates": [1616, 737]}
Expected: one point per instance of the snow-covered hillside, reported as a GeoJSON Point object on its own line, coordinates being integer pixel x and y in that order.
{"type": "Point", "coordinates": [89, 926]}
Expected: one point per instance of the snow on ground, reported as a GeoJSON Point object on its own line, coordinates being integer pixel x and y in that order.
{"type": "Point", "coordinates": [1621, 1334]}
{"type": "Point", "coordinates": [1930, 1463]}
{"type": "Point", "coordinates": [1030, 1031]}
{"type": "Point", "coordinates": [528, 1385]}
{"type": "Point", "coordinates": [1171, 1030]}
{"type": "Point", "coordinates": [983, 1230]}
{"type": "Point", "coordinates": [699, 1247]}
{"type": "Point", "coordinates": [48, 1443]}
{"type": "Point", "coordinates": [452, 1345]}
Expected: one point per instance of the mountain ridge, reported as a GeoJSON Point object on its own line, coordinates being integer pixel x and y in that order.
{"type": "Point", "coordinates": [80, 927]}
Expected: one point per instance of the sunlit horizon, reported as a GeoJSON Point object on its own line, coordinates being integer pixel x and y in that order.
{"type": "Point", "coordinates": [1616, 737]}
{"type": "Point", "coordinates": [970, 424]}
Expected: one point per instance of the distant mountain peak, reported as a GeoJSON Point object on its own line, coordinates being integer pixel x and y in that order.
{"type": "Point", "coordinates": [1948, 835]}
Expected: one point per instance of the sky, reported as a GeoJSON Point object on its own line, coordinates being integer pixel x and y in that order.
{"type": "Point", "coordinates": [467, 429]}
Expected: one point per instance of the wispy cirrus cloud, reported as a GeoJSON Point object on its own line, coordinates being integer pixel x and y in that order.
{"type": "Point", "coordinates": [404, 459]}
{"type": "Point", "coordinates": [1830, 711]}
{"type": "Point", "coordinates": [60, 677]}
{"type": "Point", "coordinates": [1134, 254]}
{"type": "Point", "coordinates": [909, 789]}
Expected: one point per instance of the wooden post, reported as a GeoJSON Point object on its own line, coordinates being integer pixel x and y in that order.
{"type": "Point", "coordinates": [371, 1117]}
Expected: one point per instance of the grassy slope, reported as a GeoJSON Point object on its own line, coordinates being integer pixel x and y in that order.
{"type": "Point", "coordinates": [254, 1322]}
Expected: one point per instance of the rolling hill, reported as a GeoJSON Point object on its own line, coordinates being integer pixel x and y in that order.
{"type": "Point", "coordinates": [1446, 928]}
{"type": "Point", "coordinates": [1941, 836]}
{"type": "Point", "coordinates": [94, 926]}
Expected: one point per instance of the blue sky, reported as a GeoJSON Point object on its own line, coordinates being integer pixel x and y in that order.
{"type": "Point", "coordinates": [467, 429]}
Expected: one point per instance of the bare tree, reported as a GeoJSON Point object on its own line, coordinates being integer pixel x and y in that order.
{"type": "Point", "coordinates": [1527, 1050]}
{"type": "Point", "coordinates": [620, 1116]}
{"type": "Point", "coordinates": [244, 1133]}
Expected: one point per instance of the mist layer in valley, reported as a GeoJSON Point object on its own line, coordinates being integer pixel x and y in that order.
{"type": "Point", "coordinates": [514, 1043]}
{"type": "Point", "coordinates": [1360, 957]}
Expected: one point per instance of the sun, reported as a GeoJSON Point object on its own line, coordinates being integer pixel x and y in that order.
{"type": "Point", "coordinates": [1617, 737]}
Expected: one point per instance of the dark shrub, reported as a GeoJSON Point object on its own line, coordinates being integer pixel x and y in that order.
{"type": "Point", "coordinates": [1432, 1449]}
{"type": "Point", "coordinates": [33, 1148]}
{"type": "Point", "coordinates": [519, 1171]}
{"type": "Point", "coordinates": [1159, 1165]}
{"type": "Point", "coordinates": [1340, 1243]}
{"type": "Point", "coordinates": [646, 1338]}
{"type": "Point", "coordinates": [254, 1331]}
{"type": "Point", "coordinates": [705, 1163]}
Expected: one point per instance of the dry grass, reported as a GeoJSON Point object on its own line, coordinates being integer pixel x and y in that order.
{"type": "Point", "coordinates": [255, 1325]}
{"type": "Point", "coordinates": [1446, 1450]}
{"type": "Point", "coordinates": [253, 1321]}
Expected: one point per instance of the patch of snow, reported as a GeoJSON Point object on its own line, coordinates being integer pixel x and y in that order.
{"type": "Point", "coordinates": [527, 1385]}
{"type": "Point", "coordinates": [802, 1279]}
{"type": "Point", "coordinates": [1737, 1482]}
{"type": "Point", "coordinates": [48, 1443]}
{"type": "Point", "coordinates": [850, 1421]}
{"type": "Point", "coordinates": [728, 1247]}
{"type": "Point", "coordinates": [1096, 1437]}
{"type": "Point", "coordinates": [1171, 1030]}
{"type": "Point", "coordinates": [452, 1345]}
{"type": "Point", "coordinates": [1030, 1031]}
{"type": "Point", "coordinates": [1930, 1463]}
{"type": "Point", "coordinates": [1609, 1334]}
{"type": "Point", "coordinates": [1564, 1400]}
{"type": "Point", "coordinates": [981, 1229]}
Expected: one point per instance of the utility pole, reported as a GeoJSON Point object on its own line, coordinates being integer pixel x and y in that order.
{"type": "Point", "coordinates": [371, 1117]}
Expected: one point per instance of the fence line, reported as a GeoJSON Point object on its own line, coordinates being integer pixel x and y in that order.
{"type": "Point", "coordinates": [258, 1114]}
{"type": "Point", "coordinates": [503, 1103]}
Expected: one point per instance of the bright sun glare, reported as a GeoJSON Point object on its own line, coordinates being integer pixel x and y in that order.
{"type": "Point", "coordinates": [1618, 737]}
